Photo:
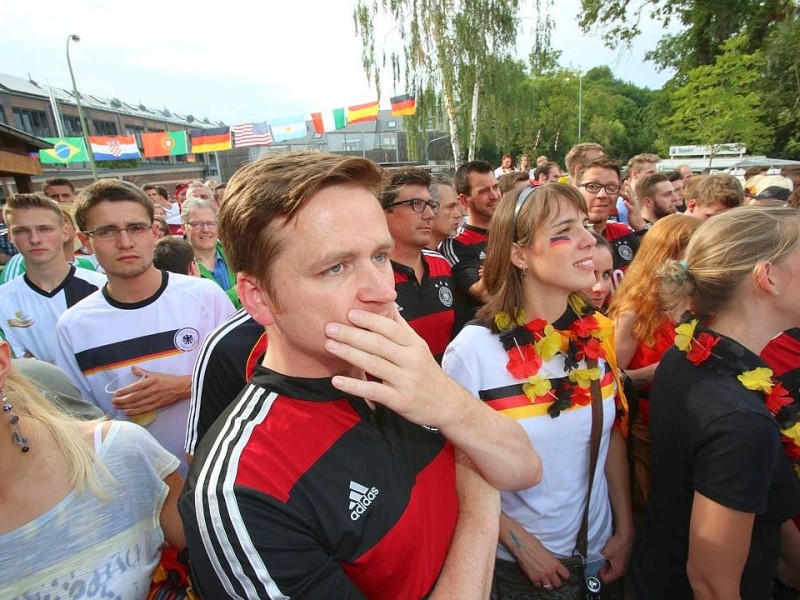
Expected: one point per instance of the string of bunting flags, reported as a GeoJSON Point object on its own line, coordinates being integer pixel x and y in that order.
{"type": "Point", "coordinates": [177, 143]}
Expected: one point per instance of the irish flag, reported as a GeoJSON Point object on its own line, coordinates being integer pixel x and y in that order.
{"type": "Point", "coordinates": [120, 147]}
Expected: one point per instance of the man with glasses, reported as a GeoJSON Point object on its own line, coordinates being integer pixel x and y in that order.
{"type": "Point", "coordinates": [31, 305]}
{"type": "Point", "coordinates": [200, 224]}
{"type": "Point", "coordinates": [599, 182]}
{"type": "Point", "coordinates": [422, 278]}
{"type": "Point", "coordinates": [144, 322]}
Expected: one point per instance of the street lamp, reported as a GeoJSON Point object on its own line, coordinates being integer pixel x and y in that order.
{"type": "Point", "coordinates": [76, 38]}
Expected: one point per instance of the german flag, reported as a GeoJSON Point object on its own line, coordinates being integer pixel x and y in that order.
{"type": "Point", "coordinates": [404, 105]}
{"type": "Point", "coordinates": [362, 113]}
{"type": "Point", "coordinates": [210, 140]}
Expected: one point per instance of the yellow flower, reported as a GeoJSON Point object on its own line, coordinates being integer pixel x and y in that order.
{"type": "Point", "coordinates": [504, 321]}
{"type": "Point", "coordinates": [758, 379]}
{"type": "Point", "coordinates": [584, 377]}
{"type": "Point", "coordinates": [793, 433]}
{"type": "Point", "coordinates": [550, 344]}
{"type": "Point", "coordinates": [684, 334]}
{"type": "Point", "coordinates": [536, 387]}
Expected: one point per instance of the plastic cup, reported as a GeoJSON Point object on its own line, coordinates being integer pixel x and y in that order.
{"type": "Point", "coordinates": [122, 380]}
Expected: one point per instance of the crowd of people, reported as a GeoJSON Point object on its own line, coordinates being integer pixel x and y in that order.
{"type": "Point", "coordinates": [324, 379]}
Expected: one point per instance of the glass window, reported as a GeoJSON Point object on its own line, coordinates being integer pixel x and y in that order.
{"type": "Point", "coordinates": [31, 121]}
{"type": "Point", "coordinates": [105, 127]}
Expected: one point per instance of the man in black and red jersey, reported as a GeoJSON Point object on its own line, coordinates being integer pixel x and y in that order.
{"type": "Point", "coordinates": [478, 191]}
{"type": "Point", "coordinates": [422, 278]}
{"type": "Point", "coordinates": [599, 182]}
{"type": "Point", "coordinates": [343, 469]}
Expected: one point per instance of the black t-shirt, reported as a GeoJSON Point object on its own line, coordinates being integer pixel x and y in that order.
{"type": "Point", "coordinates": [711, 435]}
{"type": "Point", "coordinates": [465, 253]}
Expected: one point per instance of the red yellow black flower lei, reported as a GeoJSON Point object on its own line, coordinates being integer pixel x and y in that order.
{"type": "Point", "coordinates": [704, 348]}
{"type": "Point", "coordinates": [530, 343]}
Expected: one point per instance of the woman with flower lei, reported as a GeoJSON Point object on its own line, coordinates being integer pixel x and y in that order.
{"type": "Point", "coordinates": [724, 433]}
{"type": "Point", "coordinates": [535, 353]}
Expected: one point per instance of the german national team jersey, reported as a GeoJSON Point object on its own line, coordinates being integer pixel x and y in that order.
{"type": "Point", "coordinates": [226, 362]}
{"type": "Point", "coordinates": [28, 314]}
{"type": "Point", "coordinates": [427, 306]}
{"type": "Point", "coordinates": [100, 338]}
{"type": "Point", "coordinates": [465, 253]}
{"type": "Point", "coordinates": [299, 490]}
{"type": "Point", "coordinates": [624, 244]}
{"type": "Point", "coordinates": [782, 354]}
{"type": "Point", "coordinates": [16, 267]}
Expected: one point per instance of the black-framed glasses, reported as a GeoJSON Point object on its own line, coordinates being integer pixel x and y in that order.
{"type": "Point", "coordinates": [612, 189]}
{"type": "Point", "coordinates": [202, 224]}
{"type": "Point", "coordinates": [418, 205]}
{"type": "Point", "coordinates": [110, 232]}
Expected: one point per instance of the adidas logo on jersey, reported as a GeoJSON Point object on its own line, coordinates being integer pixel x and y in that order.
{"type": "Point", "coordinates": [361, 498]}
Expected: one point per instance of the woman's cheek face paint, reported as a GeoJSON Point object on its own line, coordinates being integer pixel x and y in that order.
{"type": "Point", "coordinates": [559, 239]}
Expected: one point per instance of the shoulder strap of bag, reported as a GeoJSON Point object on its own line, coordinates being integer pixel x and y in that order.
{"type": "Point", "coordinates": [582, 543]}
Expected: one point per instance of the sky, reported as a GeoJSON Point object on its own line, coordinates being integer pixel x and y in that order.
{"type": "Point", "coordinates": [240, 61]}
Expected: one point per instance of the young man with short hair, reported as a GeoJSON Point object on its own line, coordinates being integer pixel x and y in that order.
{"type": "Point", "coordinates": [479, 193]}
{"type": "Point", "coordinates": [599, 182]}
{"type": "Point", "coordinates": [333, 474]}
{"type": "Point", "coordinates": [31, 305]}
{"type": "Point", "coordinates": [656, 197]}
{"type": "Point", "coordinates": [59, 189]}
{"type": "Point", "coordinates": [422, 277]}
{"type": "Point", "coordinates": [144, 321]}
{"type": "Point", "coordinates": [714, 194]}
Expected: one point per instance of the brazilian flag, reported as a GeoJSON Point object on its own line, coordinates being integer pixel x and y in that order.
{"type": "Point", "coordinates": [64, 150]}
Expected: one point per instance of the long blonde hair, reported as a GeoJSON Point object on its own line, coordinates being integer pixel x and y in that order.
{"type": "Point", "coordinates": [84, 468]}
{"type": "Point", "coordinates": [724, 252]}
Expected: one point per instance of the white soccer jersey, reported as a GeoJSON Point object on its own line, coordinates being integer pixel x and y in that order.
{"type": "Point", "coordinates": [101, 338]}
{"type": "Point", "coordinates": [28, 315]}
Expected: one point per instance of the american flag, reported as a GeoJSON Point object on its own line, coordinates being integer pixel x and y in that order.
{"type": "Point", "coordinates": [252, 134]}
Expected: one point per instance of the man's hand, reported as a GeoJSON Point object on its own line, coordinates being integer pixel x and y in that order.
{"type": "Point", "coordinates": [635, 219]}
{"type": "Point", "coordinates": [410, 383]}
{"type": "Point", "coordinates": [153, 391]}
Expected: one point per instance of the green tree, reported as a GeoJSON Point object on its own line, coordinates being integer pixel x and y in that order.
{"type": "Point", "coordinates": [706, 25]}
{"type": "Point", "coordinates": [721, 103]}
{"type": "Point", "coordinates": [445, 43]}
{"type": "Point", "coordinates": [782, 91]}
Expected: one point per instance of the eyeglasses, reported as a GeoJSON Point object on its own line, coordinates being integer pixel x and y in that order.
{"type": "Point", "coordinates": [612, 189]}
{"type": "Point", "coordinates": [418, 205]}
{"type": "Point", "coordinates": [202, 224]}
{"type": "Point", "coordinates": [112, 233]}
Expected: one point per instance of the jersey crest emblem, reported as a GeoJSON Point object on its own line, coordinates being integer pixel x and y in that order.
{"type": "Point", "coordinates": [20, 321]}
{"type": "Point", "coordinates": [625, 251]}
{"type": "Point", "coordinates": [446, 296]}
{"type": "Point", "coordinates": [186, 339]}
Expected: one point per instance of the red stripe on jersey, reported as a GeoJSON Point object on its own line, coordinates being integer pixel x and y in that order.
{"type": "Point", "coordinates": [424, 529]}
{"type": "Point", "coordinates": [510, 402]}
{"type": "Point", "coordinates": [435, 329]}
{"type": "Point", "coordinates": [469, 236]}
{"type": "Point", "coordinates": [782, 354]}
{"type": "Point", "coordinates": [286, 418]}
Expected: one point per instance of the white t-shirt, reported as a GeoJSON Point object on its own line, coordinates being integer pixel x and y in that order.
{"type": "Point", "coordinates": [87, 548]}
{"type": "Point", "coordinates": [552, 510]}
{"type": "Point", "coordinates": [100, 338]}
{"type": "Point", "coordinates": [28, 314]}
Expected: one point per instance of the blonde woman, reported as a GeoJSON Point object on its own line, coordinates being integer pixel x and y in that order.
{"type": "Point", "coordinates": [645, 328]}
{"type": "Point", "coordinates": [540, 356]}
{"type": "Point", "coordinates": [723, 487]}
{"type": "Point", "coordinates": [85, 507]}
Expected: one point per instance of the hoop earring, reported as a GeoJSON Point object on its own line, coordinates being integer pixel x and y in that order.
{"type": "Point", "coordinates": [17, 437]}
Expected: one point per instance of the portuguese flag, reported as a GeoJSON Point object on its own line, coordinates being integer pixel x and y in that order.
{"type": "Point", "coordinates": [164, 143]}
{"type": "Point", "coordinates": [403, 105]}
